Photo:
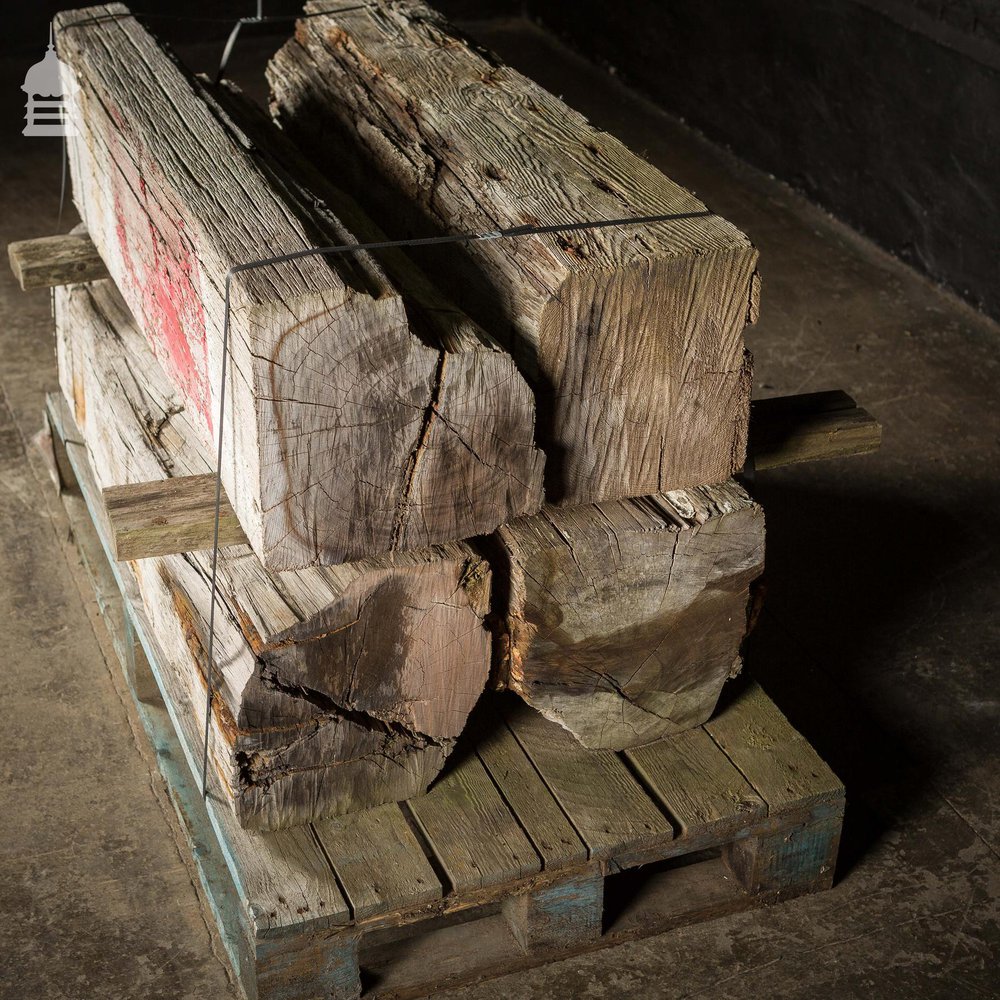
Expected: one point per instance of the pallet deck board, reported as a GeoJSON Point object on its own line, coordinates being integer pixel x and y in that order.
{"type": "Point", "coordinates": [500, 881]}
{"type": "Point", "coordinates": [471, 830]}
{"type": "Point", "coordinates": [378, 861]}
{"type": "Point", "coordinates": [606, 805]}
{"type": "Point", "coordinates": [539, 814]}
{"type": "Point", "coordinates": [771, 754]}
{"type": "Point", "coordinates": [700, 788]}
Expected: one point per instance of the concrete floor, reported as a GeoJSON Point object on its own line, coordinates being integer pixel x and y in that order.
{"type": "Point", "coordinates": [879, 640]}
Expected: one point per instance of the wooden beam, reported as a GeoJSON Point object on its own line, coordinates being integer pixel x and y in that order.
{"type": "Point", "coordinates": [169, 516]}
{"type": "Point", "coordinates": [173, 516]}
{"type": "Point", "coordinates": [337, 688]}
{"type": "Point", "coordinates": [810, 426]}
{"type": "Point", "coordinates": [784, 430]}
{"type": "Point", "coordinates": [622, 620]}
{"type": "Point", "coordinates": [632, 336]}
{"type": "Point", "coordinates": [55, 260]}
{"type": "Point", "coordinates": [355, 425]}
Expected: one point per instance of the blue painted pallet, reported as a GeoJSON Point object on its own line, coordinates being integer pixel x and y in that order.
{"type": "Point", "coordinates": [528, 849]}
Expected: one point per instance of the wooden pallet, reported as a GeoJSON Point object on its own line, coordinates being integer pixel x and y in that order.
{"type": "Point", "coordinates": [529, 848]}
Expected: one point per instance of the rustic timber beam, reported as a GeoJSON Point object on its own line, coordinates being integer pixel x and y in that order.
{"type": "Point", "coordinates": [621, 621]}
{"type": "Point", "coordinates": [355, 425]}
{"type": "Point", "coordinates": [339, 688]}
{"type": "Point", "coordinates": [808, 426]}
{"type": "Point", "coordinates": [167, 517]}
{"type": "Point", "coordinates": [631, 337]}
{"type": "Point", "coordinates": [784, 430]}
{"type": "Point", "coordinates": [55, 260]}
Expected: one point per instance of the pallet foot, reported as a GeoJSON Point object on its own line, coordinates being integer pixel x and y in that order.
{"type": "Point", "coordinates": [565, 915]}
{"type": "Point", "coordinates": [324, 968]}
{"type": "Point", "coordinates": [799, 856]}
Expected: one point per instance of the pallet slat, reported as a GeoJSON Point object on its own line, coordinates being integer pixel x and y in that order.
{"type": "Point", "coordinates": [525, 792]}
{"type": "Point", "coordinates": [284, 876]}
{"type": "Point", "coordinates": [471, 831]}
{"type": "Point", "coordinates": [780, 764]}
{"type": "Point", "coordinates": [378, 861]}
{"type": "Point", "coordinates": [606, 805]}
{"type": "Point", "coordinates": [697, 783]}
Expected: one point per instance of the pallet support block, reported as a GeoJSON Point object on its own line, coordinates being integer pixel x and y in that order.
{"type": "Point", "coordinates": [324, 967]}
{"type": "Point", "coordinates": [558, 916]}
{"type": "Point", "coordinates": [799, 857]}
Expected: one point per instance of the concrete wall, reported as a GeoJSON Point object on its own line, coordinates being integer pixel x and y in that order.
{"type": "Point", "coordinates": [887, 113]}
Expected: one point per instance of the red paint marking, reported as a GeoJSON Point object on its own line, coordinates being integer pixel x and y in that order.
{"type": "Point", "coordinates": [161, 284]}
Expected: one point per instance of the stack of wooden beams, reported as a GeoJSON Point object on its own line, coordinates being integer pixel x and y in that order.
{"type": "Point", "coordinates": [506, 462]}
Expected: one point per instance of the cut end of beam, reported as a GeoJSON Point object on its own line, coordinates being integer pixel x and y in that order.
{"type": "Point", "coordinates": [810, 426]}
{"type": "Point", "coordinates": [168, 517]}
{"type": "Point", "coordinates": [55, 260]}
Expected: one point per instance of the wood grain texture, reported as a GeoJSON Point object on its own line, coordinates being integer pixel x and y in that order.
{"type": "Point", "coordinates": [561, 916]}
{"type": "Point", "coordinates": [800, 856]}
{"type": "Point", "coordinates": [621, 621]}
{"type": "Point", "coordinates": [338, 688]}
{"type": "Point", "coordinates": [810, 426]}
{"type": "Point", "coordinates": [305, 953]}
{"type": "Point", "coordinates": [378, 861]}
{"type": "Point", "coordinates": [605, 804]}
{"type": "Point", "coordinates": [777, 760]}
{"type": "Point", "coordinates": [282, 878]}
{"type": "Point", "coordinates": [349, 431]}
{"type": "Point", "coordinates": [471, 830]}
{"type": "Point", "coordinates": [631, 336]}
{"type": "Point", "coordinates": [523, 790]}
{"type": "Point", "coordinates": [168, 516]}
{"type": "Point", "coordinates": [697, 784]}
{"type": "Point", "coordinates": [55, 260]}
{"type": "Point", "coordinates": [309, 967]}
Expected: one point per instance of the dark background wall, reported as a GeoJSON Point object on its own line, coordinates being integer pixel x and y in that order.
{"type": "Point", "coordinates": [976, 18]}
{"type": "Point", "coordinates": [26, 25]}
{"type": "Point", "coordinates": [886, 112]}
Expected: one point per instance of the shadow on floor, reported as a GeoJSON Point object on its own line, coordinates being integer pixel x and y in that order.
{"type": "Point", "coordinates": [853, 576]}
